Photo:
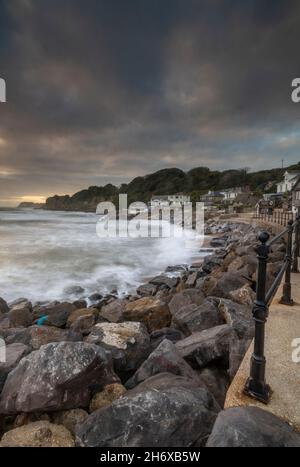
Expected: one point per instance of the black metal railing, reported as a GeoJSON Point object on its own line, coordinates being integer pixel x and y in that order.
{"type": "Point", "coordinates": [256, 385]}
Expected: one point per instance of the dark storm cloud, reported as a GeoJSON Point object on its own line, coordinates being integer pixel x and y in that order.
{"type": "Point", "coordinates": [104, 90]}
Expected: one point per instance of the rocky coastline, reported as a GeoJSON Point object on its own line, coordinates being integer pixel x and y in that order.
{"type": "Point", "coordinates": [149, 369]}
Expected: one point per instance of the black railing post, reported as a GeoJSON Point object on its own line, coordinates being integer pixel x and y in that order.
{"type": "Point", "coordinates": [286, 298]}
{"type": "Point", "coordinates": [296, 242]}
{"type": "Point", "coordinates": [256, 386]}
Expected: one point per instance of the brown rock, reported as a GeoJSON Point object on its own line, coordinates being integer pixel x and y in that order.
{"type": "Point", "coordinates": [20, 317]}
{"type": "Point", "coordinates": [70, 419]}
{"type": "Point", "coordinates": [104, 398]}
{"type": "Point", "coordinates": [154, 313]}
{"type": "Point", "coordinates": [42, 335]}
{"type": "Point", "coordinates": [245, 295]}
{"type": "Point", "coordinates": [74, 315]}
{"type": "Point", "coordinates": [83, 324]}
{"type": "Point", "coordinates": [113, 312]}
{"type": "Point", "coordinates": [38, 434]}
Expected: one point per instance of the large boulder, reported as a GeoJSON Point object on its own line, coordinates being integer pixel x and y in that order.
{"type": "Point", "coordinates": [225, 284]}
{"type": "Point", "coordinates": [165, 358]}
{"type": "Point", "coordinates": [165, 380]}
{"type": "Point", "coordinates": [113, 311]}
{"type": "Point", "coordinates": [153, 312]}
{"type": "Point", "coordinates": [167, 418]}
{"type": "Point", "coordinates": [251, 427]}
{"type": "Point", "coordinates": [3, 306]}
{"type": "Point", "coordinates": [202, 348]}
{"type": "Point", "coordinates": [83, 325]}
{"type": "Point", "coordinates": [58, 376]}
{"type": "Point", "coordinates": [238, 316]}
{"type": "Point", "coordinates": [13, 354]}
{"type": "Point", "coordinates": [20, 315]}
{"type": "Point", "coordinates": [184, 298]}
{"type": "Point", "coordinates": [193, 318]}
{"type": "Point", "coordinates": [79, 313]}
{"type": "Point", "coordinates": [38, 434]}
{"type": "Point", "coordinates": [58, 314]}
{"type": "Point", "coordinates": [128, 342]}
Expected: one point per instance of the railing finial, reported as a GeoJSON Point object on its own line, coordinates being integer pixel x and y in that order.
{"type": "Point", "coordinates": [263, 237]}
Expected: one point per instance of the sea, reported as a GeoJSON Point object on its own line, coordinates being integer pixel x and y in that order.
{"type": "Point", "coordinates": [46, 255]}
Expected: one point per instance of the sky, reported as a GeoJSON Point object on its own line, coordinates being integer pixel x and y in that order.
{"type": "Point", "coordinates": [103, 91]}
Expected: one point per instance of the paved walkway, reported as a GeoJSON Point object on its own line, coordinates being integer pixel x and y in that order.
{"type": "Point", "coordinates": [282, 374]}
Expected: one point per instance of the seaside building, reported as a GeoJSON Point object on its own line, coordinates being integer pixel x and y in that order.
{"type": "Point", "coordinates": [289, 180]}
{"type": "Point", "coordinates": [231, 193]}
{"type": "Point", "coordinates": [212, 197]}
{"type": "Point", "coordinates": [167, 200]}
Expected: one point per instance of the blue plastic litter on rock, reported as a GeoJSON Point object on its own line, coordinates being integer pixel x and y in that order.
{"type": "Point", "coordinates": [41, 320]}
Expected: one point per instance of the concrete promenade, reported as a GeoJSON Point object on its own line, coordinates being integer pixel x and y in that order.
{"type": "Point", "coordinates": [282, 374]}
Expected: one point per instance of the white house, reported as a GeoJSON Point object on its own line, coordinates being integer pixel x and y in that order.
{"type": "Point", "coordinates": [166, 200]}
{"type": "Point", "coordinates": [288, 182]}
{"type": "Point", "coordinates": [231, 193]}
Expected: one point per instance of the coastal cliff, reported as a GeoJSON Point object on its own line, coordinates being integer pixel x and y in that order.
{"type": "Point", "coordinates": [195, 182]}
{"type": "Point", "coordinates": [85, 200]}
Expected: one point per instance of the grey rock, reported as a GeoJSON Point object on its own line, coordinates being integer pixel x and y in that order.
{"type": "Point", "coordinates": [167, 281]}
{"type": "Point", "coordinates": [128, 342]}
{"type": "Point", "coordinates": [58, 376]}
{"type": "Point", "coordinates": [58, 315]}
{"type": "Point", "coordinates": [167, 418]}
{"type": "Point", "coordinates": [226, 283]}
{"type": "Point", "coordinates": [239, 317]}
{"type": "Point", "coordinates": [113, 311]}
{"type": "Point", "coordinates": [193, 318]}
{"type": "Point", "coordinates": [95, 297]}
{"type": "Point", "coordinates": [146, 290]}
{"type": "Point", "coordinates": [202, 348]}
{"type": "Point", "coordinates": [14, 353]}
{"type": "Point", "coordinates": [186, 297]}
{"type": "Point", "coordinates": [251, 427]}
{"type": "Point", "coordinates": [177, 268]}
{"type": "Point", "coordinates": [162, 381]}
{"type": "Point", "coordinates": [165, 358]}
